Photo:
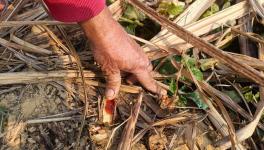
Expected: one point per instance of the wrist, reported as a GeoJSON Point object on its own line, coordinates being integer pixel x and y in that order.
{"type": "Point", "coordinates": [102, 28]}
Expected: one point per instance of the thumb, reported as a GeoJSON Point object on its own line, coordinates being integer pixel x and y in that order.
{"type": "Point", "coordinates": [113, 85]}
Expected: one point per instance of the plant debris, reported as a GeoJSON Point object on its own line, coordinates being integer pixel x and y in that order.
{"type": "Point", "coordinates": [208, 55]}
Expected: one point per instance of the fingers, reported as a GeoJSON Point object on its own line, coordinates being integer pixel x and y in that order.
{"type": "Point", "coordinates": [113, 85]}
{"type": "Point", "coordinates": [143, 74]}
{"type": "Point", "coordinates": [146, 79]}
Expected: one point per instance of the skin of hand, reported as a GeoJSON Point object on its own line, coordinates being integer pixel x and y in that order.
{"type": "Point", "coordinates": [115, 51]}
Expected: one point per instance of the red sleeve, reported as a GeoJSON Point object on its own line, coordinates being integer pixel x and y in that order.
{"type": "Point", "coordinates": [74, 10]}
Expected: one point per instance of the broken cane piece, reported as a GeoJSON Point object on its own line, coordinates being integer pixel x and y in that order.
{"type": "Point", "coordinates": [109, 107]}
{"type": "Point", "coordinates": [165, 102]}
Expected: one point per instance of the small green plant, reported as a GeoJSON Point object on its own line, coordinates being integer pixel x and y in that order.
{"type": "Point", "coordinates": [227, 4]}
{"type": "Point", "coordinates": [132, 13]}
{"type": "Point", "coordinates": [249, 95]}
{"type": "Point", "coordinates": [233, 95]}
{"type": "Point", "coordinates": [190, 63]}
{"type": "Point", "coordinates": [109, 2]}
{"type": "Point", "coordinates": [182, 102]}
{"type": "Point", "coordinates": [170, 9]}
{"type": "Point", "coordinates": [212, 10]}
{"type": "Point", "coordinates": [167, 68]}
{"type": "Point", "coordinates": [196, 98]}
{"type": "Point", "coordinates": [184, 93]}
{"type": "Point", "coordinates": [172, 86]}
{"type": "Point", "coordinates": [208, 63]}
{"type": "Point", "coordinates": [131, 19]}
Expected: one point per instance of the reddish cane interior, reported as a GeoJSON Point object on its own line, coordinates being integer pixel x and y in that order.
{"type": "Point", "coordinates": [2, 6]}
{"type": "Point", "coordinates": [110, 106]}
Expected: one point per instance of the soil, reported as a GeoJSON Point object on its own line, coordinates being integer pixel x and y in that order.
{"type": "Point", "coordinates": [38, 101]}
{"type": "Point", "coordinates": [33, 102]}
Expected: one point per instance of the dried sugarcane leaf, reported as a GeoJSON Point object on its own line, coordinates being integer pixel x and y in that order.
{"type": "Point", "coordinates": [29, 46]}
{"type": "Point", "coordinates": [191, 14]}
{"type": "Point", "coordinates": [190, 135]}
{"type": "Point", "coordinates": [128, 132]}
{"type": "Point", "coordinates": [23, 23]}
{"type": "Point", "coordinates": [17, 5]}
{"type": "Point", "coordinates": [258, 6]}
{"type": "Point", "coordinates": [202, 26]}
{"type": "Point", "coordinates": [246, 131]}
{"type": "Point", "coordinates": [229, 102]}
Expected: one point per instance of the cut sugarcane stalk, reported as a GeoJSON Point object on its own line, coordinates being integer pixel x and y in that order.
{"type": "Point", "coordinates": [108, 109]}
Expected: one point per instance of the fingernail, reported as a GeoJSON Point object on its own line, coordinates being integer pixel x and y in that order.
{"type": "Point", "coordinates": [110, 93]}
{"type": "Point", "coordinates": [162, 93]}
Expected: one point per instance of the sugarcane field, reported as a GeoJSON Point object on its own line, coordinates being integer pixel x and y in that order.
{"type": "Point", "coordinates": [132, 75]}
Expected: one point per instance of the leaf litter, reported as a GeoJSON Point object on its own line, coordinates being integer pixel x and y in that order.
{"type": "Point", "coordinates": [52, 99]}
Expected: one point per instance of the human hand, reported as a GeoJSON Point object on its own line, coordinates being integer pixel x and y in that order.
{"type": "Point", "coordinates": [115, 51]}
